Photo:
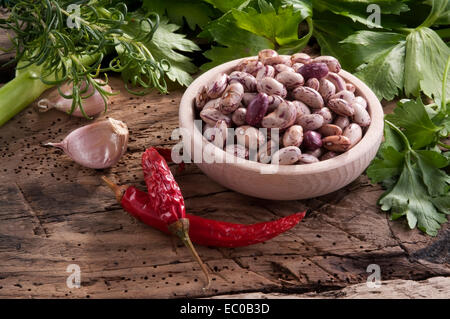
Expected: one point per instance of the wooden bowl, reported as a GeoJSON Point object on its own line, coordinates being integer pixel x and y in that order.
{"type": "Point", "coordinates": [279, 182]}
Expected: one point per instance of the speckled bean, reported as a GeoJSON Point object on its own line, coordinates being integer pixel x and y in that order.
{"type": "Point", "coordinates": [297, 66]}
{"type": "Point", "coordinates": [310, 122]}
{"type": "Point", "coordinates": [286, 156]}
{"type": "Point", "coordinates": [312, 140]}
{"type": "Point", "coordinates": [350, 87]}
{"type": "Point", "coordinates": [326, 114]}
{"type": "Point", "coordinates": [238, 116]}
{"type": "Point", "coordinates": [293, 136]}
{"type": "Point", "coordinates": [360, 116]}
{"type": "Point", "coordinates": [362, 101]}
{"type": "Point", "coordinates": [201, 98]}
{"type": "Point", "coordinates": [313, 70]}
{"type": "Point", "coordinates": [342, 121]}
{"type": "Point", "coordinates": [266, 53]}
{"type": "Point", "coordinates": [316, 153]}
{"type": "Point", "coordinates": [218, 133]}
{"type": "Point", "coordinates": [274, 101]}
{"type": "Point", "coordinates": [283, 116]}
{"type": "Point", "coordinates": [326, 88]}
{"type": "Point", "coordinates": [331, 62]}
{"type": "Point", "coordinates": [309, 96]}
{"type": "Point", "coordinates": [345, 95]}
{"type": "Point", "coordinates": [282, 67]}
{"type": "Point", "coordinates": [217, 86]}
{"type": "Point", "coordinates": [280, 59]}
{"type": "Point", "coordinates": [213, 104]}
{"type": "Point", "coordinates": [330, 129]}
{"type": "Point", "coordinates": [256, 109]}
{"type": "Point", "coordinates": [336, 143]}
{"type": "Point", "coordinates": [271, 86]}
{"type": "Point", "coordinates": [265, 151]}
{"type": "Point", "coordinates": [300, 58]}
{"type": "Point", "coordinates": [301, 108]}
{"type": "Point", "coordinates": [246, 79]}
{"type": "Point", "coordinates": [265, 71]}
{"type": "Point", "coordinates": [313, 83]}
{"type": "Point", "coordinates": [249, 65]}
{"type": "Point", "coordinates": [247, 98]}
{"type": "Point", "coordinates": [212, 115]}
{"type": "Point", "coordinates": [341, 107]}
{"type": "Point", "coordinates": [307, 159]}
{"type": "Point", "coordinates": [328, 155]}
{"type": "Point", "coordinates": [336, 79]}
{"type": "Point", "coordinates": [354, 133]}
{"type": "Point", "coordinates": [237, 150]}
{"type": "Point", "coordinates": [249, 137]}
{"type": "Point", "coordinates": [232, 97]}
{"type": "Point", "coordinates": [290, 79]}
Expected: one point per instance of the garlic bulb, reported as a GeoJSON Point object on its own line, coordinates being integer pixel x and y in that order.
{"type": "Point", "coordinates": [97, 145]}
{"type": "Point", "coordinates": [92, 106]}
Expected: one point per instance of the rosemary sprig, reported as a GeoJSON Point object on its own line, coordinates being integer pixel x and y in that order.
{"type": "Point", "coordinates": [65, 41]}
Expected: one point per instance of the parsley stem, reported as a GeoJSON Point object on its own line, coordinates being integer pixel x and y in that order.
{"type": "Point", "coordinates": [443, 109]}
{"type": "Point", "coordinates": [402, 135]}
{"type": "Point", "coordinates": [443, 145]}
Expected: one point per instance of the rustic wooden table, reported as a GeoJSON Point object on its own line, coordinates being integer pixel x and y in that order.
{"type": "Point", "coordinates": [54, 213]}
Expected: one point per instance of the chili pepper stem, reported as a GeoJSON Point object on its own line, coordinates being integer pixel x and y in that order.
{"type": "Point", "coordinates": [180, 228]}
{"type": "Point", "coordinates": [118, 190]}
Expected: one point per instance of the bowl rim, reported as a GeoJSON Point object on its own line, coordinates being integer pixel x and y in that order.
{"type": "Point", "coordinates": [372, 136]}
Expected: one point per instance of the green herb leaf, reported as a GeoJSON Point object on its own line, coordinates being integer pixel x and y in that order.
{"type": "Point", "coordinates": [426, 57]}
{"type": "Point", "coordinates": [196, 12]}
{"type": "Point", "coordinates": [277, 26]}
{"type": "Point", "coordinates": [389, 163]}
{"type": "Point", "coordinates": [435, 179]}
{"type": "Point", "coordinates": [357, 10]}
{"type": "Point", "coordinates": [236, 43]}
{"type": "Point", "coordinates": [409, 197]}
{"type": "Point", "coordinates": [166, 45]}
{"type": "Point", "coordinates": [226, 5]}
{"type": "Point", "coordinates": [413, 118]}
{"type": "Point", "coordinates": [304, 6]}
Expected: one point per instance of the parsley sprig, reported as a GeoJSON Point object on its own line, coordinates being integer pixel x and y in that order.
{"type": "Point", "coordinates": [412, 163]}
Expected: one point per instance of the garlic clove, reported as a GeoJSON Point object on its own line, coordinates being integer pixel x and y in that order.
{"type": "Point", "coordinates": [97, 145]}
{"type": "Point", "coordinates": [92, 106]}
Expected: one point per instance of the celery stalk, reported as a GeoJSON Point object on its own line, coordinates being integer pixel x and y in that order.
{"type": "Point", "coordinates": [26, 87]}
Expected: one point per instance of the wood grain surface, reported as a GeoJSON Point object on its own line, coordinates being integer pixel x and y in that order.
{"type": "Point", "coordinates": [54, 213]}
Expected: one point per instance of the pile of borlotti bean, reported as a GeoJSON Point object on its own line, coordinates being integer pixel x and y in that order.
{"type": "Point", "coordinates": [315, 111]}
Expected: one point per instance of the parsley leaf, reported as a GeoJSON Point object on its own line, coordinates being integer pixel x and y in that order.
{"type": "Point", "coordinates": [235, 42]}
{"type": "Point", "coordinates": [226, 5]}
{"type": "Point", "coordinates": [196, 12]}
{"type": "Point", "coordinates": [421, 192]}
{"type": "Point", "coordinates": [254, 26]}
{"type": "Point", "coordinates": [426, 55]}
{"type": "Point", "coordinates": [166, 45]}
{"type": "Point", "coordinates": [357, 10]}
{"type": "Point", "coordinates": [277, 26]}
{"type": "Point", "coordinates": [388, 164]}
{"type": "Point", "coordinates": [409, 197]}
{"type": "Point", "coordinates": [413, 118]}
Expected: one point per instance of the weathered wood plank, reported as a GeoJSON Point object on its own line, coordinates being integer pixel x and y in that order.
{"type": "Point", "coordinates": [433, 288]}
{"type": "Point", "coordinates": [54, 213]}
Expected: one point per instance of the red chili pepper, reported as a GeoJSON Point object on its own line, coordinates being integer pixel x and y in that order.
{"type": "Point", "coordinates": [166, 200]}
{"type": "Point", "coordinates": [167, 154]}
{"type": "Point", "coordinates": [206, 232]}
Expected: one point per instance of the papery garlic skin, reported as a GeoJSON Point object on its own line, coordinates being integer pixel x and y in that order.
{"type": "Point", "coordinates": [92, 106]}
{"type": "Point", "coordinates": [97, 145]}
